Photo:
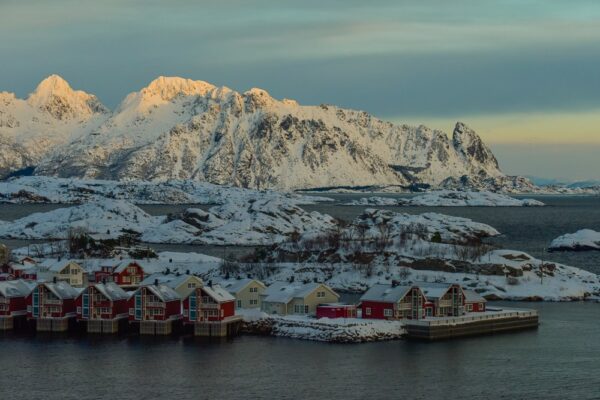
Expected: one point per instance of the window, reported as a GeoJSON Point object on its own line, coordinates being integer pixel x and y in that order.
{"type": "Point", "coordinates": [368, 310]}
{"type": "Point", "coordinates": [253, 302]}
{"type": "Point", "coordinates": [78, 310]}
{"type": "Point", "coordinates": [253, 290]}
{"type": "Point", "coordinates": [239, 304]}
{"type": "Point", "coordinates": [320, 294]}
{"type": "Point", "coordinates": [191, 285]}
{"type": "Point", "coordinates": [387, 312]}
{"type": "Point", "coordinates": [469, 307]}
{"type": "Point", "coordinates": [131, 311]}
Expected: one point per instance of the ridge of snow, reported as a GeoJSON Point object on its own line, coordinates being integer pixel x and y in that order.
{"type": "Point", "coordinates": [584, 239]}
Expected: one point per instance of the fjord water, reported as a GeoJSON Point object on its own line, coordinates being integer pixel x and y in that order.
{"type": "Point", "coordinates": [560, 360]}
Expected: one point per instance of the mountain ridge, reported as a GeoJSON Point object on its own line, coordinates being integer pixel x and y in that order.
{"type": "Point", "coordinates": [178, 128]}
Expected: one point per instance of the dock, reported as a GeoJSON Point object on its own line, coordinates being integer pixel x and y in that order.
{"type": "Point", "coordinates": [472, 324]}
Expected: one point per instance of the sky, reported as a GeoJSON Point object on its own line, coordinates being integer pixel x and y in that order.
{"type": "Point", "coordinates": [525, 74]}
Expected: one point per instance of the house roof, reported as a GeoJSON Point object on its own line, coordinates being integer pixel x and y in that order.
{"type": "Point", "coordinates": [473, 297]}
{"type": "Point", "coordinates": [236, 285]}
{"type": "Point", "coordinates": [171, 280]}
{"type": "Point", "coordinates": [112, 291]}
{"type": "Point", "coordinates": [124, 264]}
{"type": "Point", "coordinates": [385, 293]}
{"type": "Point", "coordinates": [433, 290]}
{"type": "Point", "coordinates": [218, 293]}
{"type": "Point", "coordinates": [284, 292]}
{"type": "Point", "coordinates": [55, 265]}
{"type": "Point", "coordinates": [18, 288]}
{"type": "Point", "coordinates": [163, 292]}
{"type": "Point", "coordinates": [62, 290]}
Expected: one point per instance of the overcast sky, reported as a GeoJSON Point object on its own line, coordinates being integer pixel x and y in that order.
{"type": "Point", "coordinates": [523, 73]}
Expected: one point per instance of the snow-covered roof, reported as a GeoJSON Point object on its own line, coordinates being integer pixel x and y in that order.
{"type": "Point", "coordinates": [236, 285]}
{"type": "Point", "coordinates": [433, 290]}
{"type": "Point", "coordinates": [472, 296]}
{"type": "Point", "coordinates": [55, 265]}
{"type": "Point", "coordinates": [62, 290]}
{"type": "Point", "coordinates": [284, 292]}
{"type": "Point", "coordinates": [124, 264]}
{"type": "Point", "coordinates": [111, 290]}
{"type": "Point", "coordinates": [163, 292]}
{"type": "Point", "coordinates": [218, 293]}
{"type": "Point", "coordinates": [18, 288]}
{"type": "Point", "coordinates": [385, 293]}
{"type": "Point", "coordinates": [171, 280]}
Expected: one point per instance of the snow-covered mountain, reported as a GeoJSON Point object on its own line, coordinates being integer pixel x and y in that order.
{"type": "Point", "coordinates": [182, 129]}
{"type": "Point", "coordinates": [50, 116]}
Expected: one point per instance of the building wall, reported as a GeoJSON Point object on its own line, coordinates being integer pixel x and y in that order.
{"type": "Point", "coordinates": [342, 311]}
{"type": "Point", "coordinates": [375, 309]}
{"type": "Point", "coordinates": [184, 290]}
{"type": "Point", "coordinates": [126, 278]}
{"type": "Point", "coordinates": [247, 299]}
{"type": "Point", "coordinates": [274, 308]}
{"type": "Point", "coordinates": [312, 300]}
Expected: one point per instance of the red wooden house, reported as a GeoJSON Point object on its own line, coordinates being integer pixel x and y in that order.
{"type": "Point", "coordinates": [52, 300]}
{"type": "Point", "coordinates": [13, 295]}
{"type": "Point", "coordinates": [393, 302]}
{"type": "Point", "coordinates": [207, 304]}
{"type": "Point", "coordinates": [336, 310]}
{"type": "Point", "coordinates": [128, 273]}
{"type": "Point", "coordinates": [105, 301]}
{"type": "Point", "coordinates": [23, 270]}
{"type": "Point", "coordinates": [104, 271]}
{"type": "Point", "coordinates": [474, 302]}
{"type": "Point", "coordinates": [156, 302]}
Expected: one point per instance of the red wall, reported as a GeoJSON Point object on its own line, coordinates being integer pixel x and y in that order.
{"type": "Point", "coordinates": [376, 309]}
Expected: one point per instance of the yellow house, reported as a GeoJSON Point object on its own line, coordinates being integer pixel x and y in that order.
{"type": "Point", "coordinates": [247, 292]}
{"type": "Point", "coordinates": [64, 271]}
{"type": "Point", "coordinates": [285, 298]}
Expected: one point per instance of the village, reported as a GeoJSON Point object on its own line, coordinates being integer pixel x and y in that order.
{"type": "Point", "coordinates": [114, 296]}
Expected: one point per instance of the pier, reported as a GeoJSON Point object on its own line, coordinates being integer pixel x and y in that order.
{"type": "Point", "coordinates": [473, 324]}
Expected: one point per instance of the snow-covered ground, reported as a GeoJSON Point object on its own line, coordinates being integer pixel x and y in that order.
{"type": "Point", "coordinates": [449, 198]}
{"type": "Point", "coordinates": [341, 330]}
{"type": "Point", "coordinates": [240, 221]}
{"type": "Point", "coordinates": [43, 189]}
{"type": "Point", "coordinates": [584, 239]}
{"type": "Point", "coordinates": [494, 276]}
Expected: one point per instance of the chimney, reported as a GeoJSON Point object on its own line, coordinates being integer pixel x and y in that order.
{"type": "Point", "coordinates": [54, 280]}
{"type": "Point", "coordinates": [156, 282]}
{"type": "Point", "coordinates": [394, 283]}
{"type": "Point", "coordinates": [170, 260]}
{"type": "Point", "coordinates": [210, 283]}
{"type": "Point", "coordinates": [187, 271]}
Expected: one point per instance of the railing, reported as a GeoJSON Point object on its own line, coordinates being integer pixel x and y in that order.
{"type": "Point", "coordinates": [471, 318]}
{"type": "Point", "coordinates": [208, 305]}
{"type": "Point", "coordinates": [155, 304]}
{"type": "Point", "coordinates": [52, 301]}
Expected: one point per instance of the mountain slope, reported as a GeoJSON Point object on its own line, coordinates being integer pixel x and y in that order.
{"type": "Point", "coordinates": [184, 129]}
{"type": "Point", "coordinates": [50, 116]}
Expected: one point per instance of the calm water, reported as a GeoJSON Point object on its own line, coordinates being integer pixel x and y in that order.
{"type": "Point", "coordinates": [560, 360]}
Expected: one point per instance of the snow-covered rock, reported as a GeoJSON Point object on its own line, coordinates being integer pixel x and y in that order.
{"type": "Point", "coordinates": [42, 189]}
{"type": "Point", "coordinates": [584, 239]}
{"type": "Point", "coordinates": [105, 219]}
{"type": "Point", "coordinates": [240, 222]}
{"type": "Point", "coordinates": [339, 330]}
{"type": "Point", "coordinates": [177, 128]}
{"type": "Point", "coordinates": [447, 198]}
